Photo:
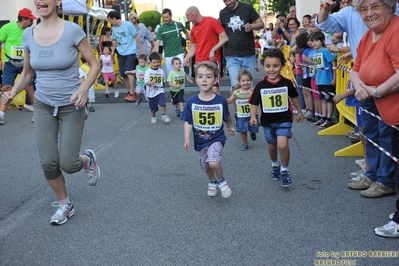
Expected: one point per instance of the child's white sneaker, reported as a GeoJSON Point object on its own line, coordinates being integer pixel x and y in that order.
{"type": "Point", "coordinates": [225, 189]}
{"type": "Point", "coordinates": [212, 189]}
{"type": "Point", "coordinates": [153, 120]}
{"type": "Point", "coordinates": [165, 118]}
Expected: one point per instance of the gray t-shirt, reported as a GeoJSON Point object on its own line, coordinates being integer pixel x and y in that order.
{"type": "Point", "coordinates": [56, 65]}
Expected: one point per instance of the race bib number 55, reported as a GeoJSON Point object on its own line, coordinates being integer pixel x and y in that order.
{"type": "Point", "coordinates": [207, 117]}
{"type": "Point", "coordinates": [274, 100]}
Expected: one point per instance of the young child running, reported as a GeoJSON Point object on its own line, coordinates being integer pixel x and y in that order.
{"type": "Point", "coordinates": [83, 71]}
{"type": "Point", "coordinates": [108, 72]}
{"type": "Point", "coordinates": [240, 97]}
{"type": "Point", "coordinates": [154, 78]}
{"type": "Point", "coordinates": [325, 66]}
{"type": "Point", "coordinates": [140, 70]}
{"type": "Point", "coordinates": [204, 114]}
{"type": "Point", "coordinates": [177, 80]}
{"type": "Point", "coordinates": [272, 93]}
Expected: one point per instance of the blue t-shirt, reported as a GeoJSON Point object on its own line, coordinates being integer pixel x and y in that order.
{"type": "Point", "coordinates": [125, 35]}
{"type": "Point", "coordinates": [322, 62]}
{"type": "Point", "coordinates": [207, 120]}
{"type": "Point", "coordinates": [309, 71]}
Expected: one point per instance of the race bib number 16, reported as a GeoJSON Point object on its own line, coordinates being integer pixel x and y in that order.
{"type": "Point", "coordinates": [207, 117]}
{"type": "Point", "coordinates": [274, 100]}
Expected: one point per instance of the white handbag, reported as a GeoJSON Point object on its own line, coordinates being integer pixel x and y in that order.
{"type": "Point", "coordinates": [74, 7]}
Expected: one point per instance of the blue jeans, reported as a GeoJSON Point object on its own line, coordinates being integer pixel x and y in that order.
{"type": "Point", "coordinates": [234, 64]}
{"type": "Point", "coordinates": [382, 168]}
{"type": "Point", "coordinates": [299, 82]}
{"type": "Point", "coordinates": [277, 129]}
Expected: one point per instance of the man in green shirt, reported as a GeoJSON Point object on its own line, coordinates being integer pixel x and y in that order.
{"type": "Point", "coordinates": [11, 36]}
{"type": "Point", "coordinates": [170, 33]}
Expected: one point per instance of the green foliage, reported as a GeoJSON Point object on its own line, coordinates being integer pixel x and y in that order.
{"type": "Point", "coordinates": [254, 3]}
{"type": "Point", "coordinates": [279, 6]}
{"type": "Point", "coordinates": [273, 6]}
{"type": "Point", "coordinates": [150, 18]}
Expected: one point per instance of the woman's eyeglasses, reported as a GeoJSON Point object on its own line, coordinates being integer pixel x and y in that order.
{"type": "Point", "coordinates": [373, 8]}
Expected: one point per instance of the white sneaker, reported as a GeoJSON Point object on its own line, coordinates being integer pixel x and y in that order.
{"type": "Point", "coordinates": [225, 189]}
{"type": "Point", "coordinates": [153, 120]}
{"type": "Point", "coordinates": [165, 118]}
{"type": "Point", "coordinates": [92, 171]}
{"type": "Point", "coordinates": [361, 163]}
{"type": "Point", "coordinates": [391, 216]}
{"type": "Point", "coordinates": [355, 174]}
{"type": "Point", "coordinates": [391, 229]}
{"type": "Point", "coordinates": [116, 94]}
{"type": "Point", "coordinates": [28, 107]}
{"type": "Point", "coordinates": [358, 177]}
{"type": "Point", "coordinates": [63, 212]}
{"type": "Point", "coordinates": [1, 120]}
{"type": "Point", "coordinates": [212, 189]}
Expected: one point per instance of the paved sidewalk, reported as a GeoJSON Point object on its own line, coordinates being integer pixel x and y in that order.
{"type": "Point", "coordinates": [150, 206]}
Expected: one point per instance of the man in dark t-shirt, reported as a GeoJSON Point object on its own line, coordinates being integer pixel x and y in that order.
{"type": "Point", "coordinates": [239, 21]}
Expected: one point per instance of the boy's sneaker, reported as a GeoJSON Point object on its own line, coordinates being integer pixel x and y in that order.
{"type": "Point", "coordinates": [91, 108]}
{"type": "Point", "coordinates": [357, 178]}
{"type": "Point", "coordinates": [153, 120]}
{"type": "Point", "coordinates": [285, 179]}
{"type": "Point", "coordinates": [165, 118]}
{"type": "Point", "coordinates": [225, 189]}
{"type": "Point", "coordinates": [63, 212]}
{"type": "Point", "coordinates": [355, 174]}
{"type": "Point", "coordinates": [391, 229]}
{"type": "Point", "coordinates": [116, 94]}
{"type": "Point", "coordinates": [318, 122]}
{"type": "Point", "coordinates": [244, 147]}
{"type": "Point", "coordinates": [177, 113]}
{"type": "Point", "coordinates": [253, 136]}
{"type": "Point", "coordinates": [313, 119]}
{"type": "Point", "coordinates": [138, 101]}
{"type": "Point", "coordinates": [1, 120]}
{"type": "Point", "coordinates": [326, 124]}
{"type": "Point", "coordinates": [275, 173]}
{"type": "Point", "coordinates": [212, 189]}
{"type": "Point", "coordinates": [92, 171]}
{"type": "Point", "coordinates": [361, 163]}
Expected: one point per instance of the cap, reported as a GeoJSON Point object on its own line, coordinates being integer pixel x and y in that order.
{"type": "Point", "coordinates": [133, 14]}
{"type": "Point", "coordinates": [26, 13]}
{"type": "Point", "coordinates": [281, 15]}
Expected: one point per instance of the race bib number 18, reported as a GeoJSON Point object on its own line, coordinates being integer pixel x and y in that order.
{"type": "Point", "coordinates": [207, 117]}
{"type": "Point", "coordinates": [274, 100]}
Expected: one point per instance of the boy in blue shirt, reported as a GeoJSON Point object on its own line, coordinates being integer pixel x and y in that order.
{"type": "Point", "coordinates": [204, 114]}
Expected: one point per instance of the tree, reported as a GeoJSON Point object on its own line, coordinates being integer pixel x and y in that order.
{"type": "Point", "coordinates": [254, 3]}
{"type": "Point", "coordinates": [150, 18]}
{"type": "Point", "coordinates": [277, 6]}
{"type": "Point", "coordinates": [273, 6]}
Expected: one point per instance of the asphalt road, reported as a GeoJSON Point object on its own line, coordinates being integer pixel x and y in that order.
{"type": "Point", "coordinates": [150, 206]}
